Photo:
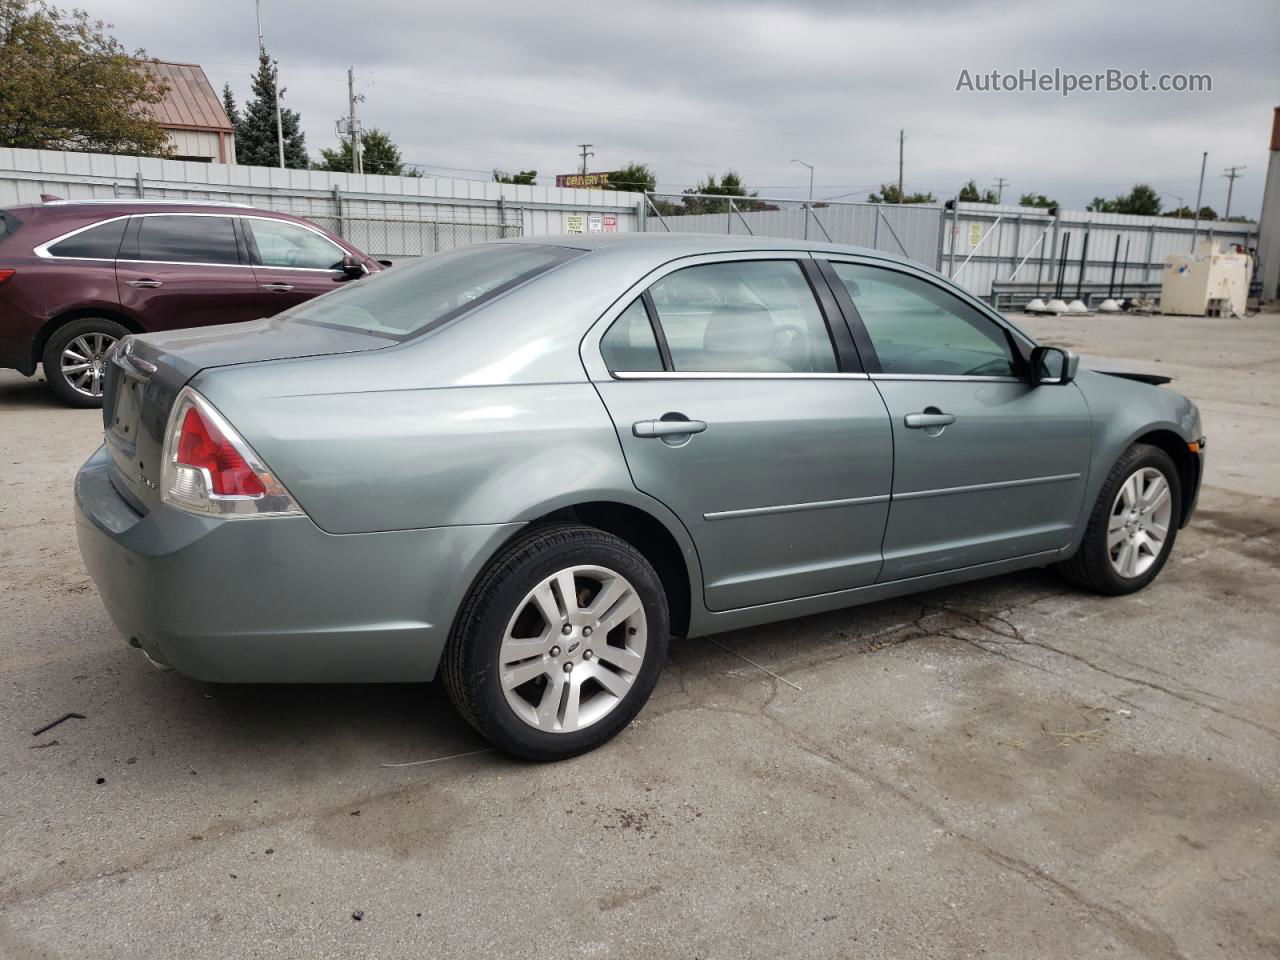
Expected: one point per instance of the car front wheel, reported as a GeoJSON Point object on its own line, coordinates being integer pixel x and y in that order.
{"type": "Point", "coordinates": [559, 644]}
{"type": "Point", "coordinates": [75, 359]}
{"type": "Point", "coordinates": [1132, 526]}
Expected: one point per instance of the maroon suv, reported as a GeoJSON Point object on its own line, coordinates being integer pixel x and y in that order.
{"type": "Point", "coordinates": [76, 276]}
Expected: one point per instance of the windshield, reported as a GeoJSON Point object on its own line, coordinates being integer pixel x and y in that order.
{"type": "Point", "coordinates": [411, 298]}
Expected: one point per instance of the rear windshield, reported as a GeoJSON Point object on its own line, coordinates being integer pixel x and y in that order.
{"type": "Point", "coordinates": [9, 223]}
{"type": "Point", "coordinates": [410, 298]}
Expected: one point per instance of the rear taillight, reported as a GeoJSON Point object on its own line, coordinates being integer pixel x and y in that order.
{"type": "Point", "coordinates": [6, 274]}
{"type": "Point", "coordinates": [209, 469]}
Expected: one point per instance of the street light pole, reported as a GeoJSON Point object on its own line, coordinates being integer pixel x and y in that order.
{"type": "Point", "coordinates": [808, 206]}
{"type": "Point", "coordinates": [1195, 227]}
{"type": "Point", "coordinates": [275, 86]}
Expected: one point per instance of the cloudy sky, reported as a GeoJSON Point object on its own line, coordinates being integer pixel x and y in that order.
{"type": "Point", "coordinates": [698, 86]}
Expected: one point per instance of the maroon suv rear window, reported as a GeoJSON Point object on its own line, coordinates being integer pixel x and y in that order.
{"type": "Point", "coordinates": [9, 224]}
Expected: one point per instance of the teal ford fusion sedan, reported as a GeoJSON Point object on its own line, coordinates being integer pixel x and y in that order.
{"type": "Point", "coordinates": [524, 465]}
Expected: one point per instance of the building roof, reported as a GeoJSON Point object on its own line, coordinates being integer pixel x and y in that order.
{"type": "Point", "coordinates": [190, 103]}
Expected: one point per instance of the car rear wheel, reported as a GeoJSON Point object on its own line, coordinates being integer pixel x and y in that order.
{"type": "Point", "coordinates": [1132, 526]}
{"type": "Point", "coordinates": [75, 359]}
{"type": "Point", "coordinates": [559, 644]}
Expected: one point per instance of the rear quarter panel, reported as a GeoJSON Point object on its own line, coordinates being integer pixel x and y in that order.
{"type": "Point", "coordinates": [391, 457]}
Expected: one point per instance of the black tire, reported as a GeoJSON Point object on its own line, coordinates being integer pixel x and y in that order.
{"type": "Point", "coordinates": [470, 666]}
{"type": "Point", "coordinates": [1091, 566]}
{"type": "Point", "coordinates": [52, 359]}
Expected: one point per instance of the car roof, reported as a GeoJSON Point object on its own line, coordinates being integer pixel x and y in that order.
{"type": "Point", "coordinates": [666, 246]}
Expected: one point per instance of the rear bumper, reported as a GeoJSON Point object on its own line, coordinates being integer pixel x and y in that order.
{"type": "Point", "coordinates": [275, 600]}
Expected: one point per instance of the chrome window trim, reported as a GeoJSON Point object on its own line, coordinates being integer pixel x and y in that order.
{"type": "Point", "coordinates": [42, 250]}
{"type": "Point", "coordinates": [962, 378]}
{"type": "Point", "coordinates": [729, 375]}
{"type": "Point", "coordinates": [975, 487]}
{"type": "Point", "coordinates": [794, 507]}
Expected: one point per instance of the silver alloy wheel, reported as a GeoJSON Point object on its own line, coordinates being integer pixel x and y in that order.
{"type": "Point", "coordinates": [84, 362]}
{"type": "Point", "coordinates": [572, 649]}
{"type": "Point", "coordinates": [1139, 523]}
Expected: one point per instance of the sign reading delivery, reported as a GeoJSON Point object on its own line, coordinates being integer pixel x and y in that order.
{"type": "Point", "coordinates": [584, 181]}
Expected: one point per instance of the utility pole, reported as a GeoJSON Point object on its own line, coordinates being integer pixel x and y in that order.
{"type": "Point", "coordinates": [357, 160]}
{"type": "Point", "coordinates": [1195, 226]}
{"type": "Point", "coordinates": [808, 207]}
{"type": "Point", "coordinates": [1001, 183]}
{"type": "Point", "coordinates": [1231, 175]}
{"type": "Point", "coordinates": [276, 91]}
{"type": "Point", "coordinates": [586, 152]}
{"type": "Point", "coordinates": [901, 138]}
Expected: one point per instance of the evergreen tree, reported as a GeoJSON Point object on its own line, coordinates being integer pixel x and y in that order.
{"type": "Point", "coordinates": [256, 144]}
{"type": "Point", "coordinates": [229, 106]}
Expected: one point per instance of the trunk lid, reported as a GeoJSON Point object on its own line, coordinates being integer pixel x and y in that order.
{"type": "Point", "coordinates": [143, 380]}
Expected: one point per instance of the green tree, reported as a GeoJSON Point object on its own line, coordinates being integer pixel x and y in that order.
{"type": "Point", "coordinates": [524, 176]}
{"type": "Point", "coordinates": [1186, 213]}
{"type": "Point", "coordinates": [971, 194]}
{"type": "Point", "coordinates": [256, 144]}
{"type": "Point", "coordinates": [377, 155]}
{"type": "Point", "coordinates": [1141, 201]}
{"type": "Point", "coordinates": [229, 105]}
{"type": "Point", "coordinates": [729, 185]}
{"type": "Point", "coordinates": [1036, 200]}
{"type": "Point", "coordinates": [67, 84]}
{"type": "Point", "coordinates": [636, 177]}
{"type": "Point", "coordinates": [889, 193]}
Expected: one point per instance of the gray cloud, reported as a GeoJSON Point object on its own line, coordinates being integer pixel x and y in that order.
{"type": "Point", "coordinates": [696, 87]}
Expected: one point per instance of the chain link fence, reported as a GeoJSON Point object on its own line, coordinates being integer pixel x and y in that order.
{"type": "Point", "coordinates": [909, 230]}
{"type": "Point", "coordinates": [395, 238]}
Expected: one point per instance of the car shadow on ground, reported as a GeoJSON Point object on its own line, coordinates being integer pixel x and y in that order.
{"type": "Point", "coordinates": [28, 393]}
{"type": "Point", "coordinates": [350, 727]}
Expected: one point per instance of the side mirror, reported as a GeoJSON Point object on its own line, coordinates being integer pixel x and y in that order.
{"type": "Point", "coordinates": [1053, 365]}
{"type": "Point", "coordinates": [352, 267]}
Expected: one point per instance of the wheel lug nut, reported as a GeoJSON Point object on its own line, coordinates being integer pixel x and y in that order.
{"type": "Point", "coordinates": [566, 629]}
{"type": "Point", "coordinates": [555, 651]}
{"type": "Point", "coordinates": [568, 668]}
{"type": "Point", "coordinates": [586, 631]}
{"type": "Point", "coordinates": [587, 655]}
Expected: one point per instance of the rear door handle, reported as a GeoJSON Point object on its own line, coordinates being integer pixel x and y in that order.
{"type": "Point", "coordinates": [277, 287]}
{"type": "Point", "coordinates": [919, 420]}
{"type": "Point", "coordinates": [667, 428]}
{"type": "Point", "coordinates": [148, 284]}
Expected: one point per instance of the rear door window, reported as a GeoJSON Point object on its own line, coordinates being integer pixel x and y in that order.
{"type": "Point", "coordinates": [99, 242]}
{"type": "Point", "coordinates": [748, 316]}
{"type": "Point", "coordinates": [629, 345]}
{"type": "Point", "coordinates": [186, 239]}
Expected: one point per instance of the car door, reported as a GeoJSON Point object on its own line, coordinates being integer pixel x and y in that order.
{"type": "Point", "coordinates": [987, 466]}
{"type": "Point", "coordinates": [184, 270]}
{"type": "Point", "coordinates": [291, 262]}
{"type": "Point", "coordinates": [739, 408]}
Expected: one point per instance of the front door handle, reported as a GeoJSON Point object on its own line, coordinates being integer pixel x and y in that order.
{"type": "Point", "coordinates": [277, 287]}
{"type": "Point", "coordinates": [148, 283]}
{"type": "Point", "coordinates": [667, 428]}
{"type": "Point", "coordinates": [930, 419]}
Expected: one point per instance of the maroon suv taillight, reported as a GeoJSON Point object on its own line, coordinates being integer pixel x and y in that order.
{"type": "Point", "coordinates": [6, 274]}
